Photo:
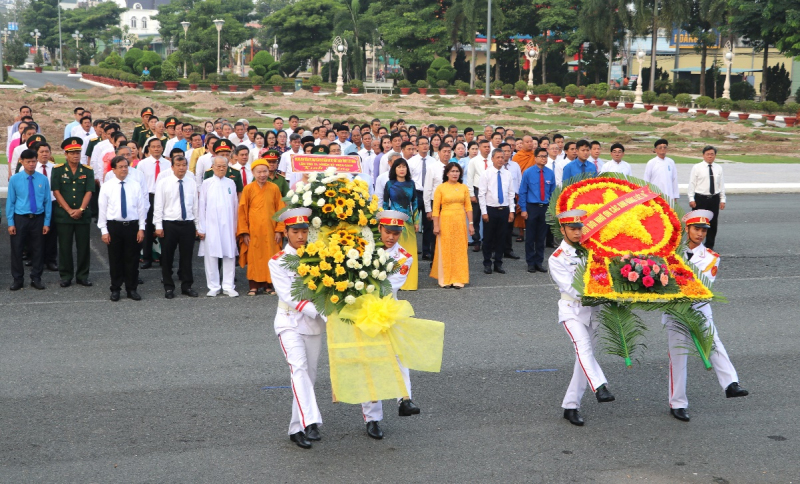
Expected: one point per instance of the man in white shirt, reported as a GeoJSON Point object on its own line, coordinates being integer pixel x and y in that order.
{"type": "Point", "coordinates": [383, 178]}
{"type": "Point", "coordinates": [151, 167]}
{"type": "Point", "coordinates": [294, 121]}
{"type": "Point", "coordinates": [367, 156]}
{"type": "Point", "coordinates": [239, 135]}
{"type": "Point", "coordinates": [101, 148]}
{"type": "Point", "coordinates": [496, 200]}
{"type": "Point", "coordinates": [204, 161]}
{"type": "Point", "coordinates": [617, 165]}
{"type": "Point", "coordinates": [477, 166]}
{"type": "Point", "coordinates": [707, 190]}
{"type": "Point", "coordinates": [661, 172]}
{"type": "Point", "coordinates": [175, 217]}
{"type": "Point", "coordinates": [45, 167]}
{"type": "Point", "coordinates": [419, 165]}
{"type": "Point", "coordinates": [285, 165]}
{"type": "Point", "coordinates": [175, 137]}
{"type": "Point", "coordinates": [570, 154]}
{"type": "Point", "coordinates": [78, 113]}
{"type": "Point", "coordinates": [251, 139]}
{"type": "Point", "coordinates": [240, 162]}
{"type": "Point", "coordinates": [594, 155]}
{"type": "Point", "coordinates": [217, 220]}
{"type": "Point", "coordinates": [516, 178]}
{"type": "Point", "coordinates": [194, 142]}
{"type": "Point", "coordinates": [435, 175]}
{"type": "Point", "coordinates": [121, 220]}
{"type": "Point", "coordinates": [134, 175]}
{"type": "Point", "coordinates": [343, 132]}
{"type": "Point", "coordinates": [85, 132]}
{"type": "Point", "coordinates": [355, 143]}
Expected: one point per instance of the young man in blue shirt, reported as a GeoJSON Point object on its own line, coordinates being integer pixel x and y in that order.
{"type": "Point", "coordinates": [28, 210]}
{"type": "Point", "coordinates": [538, 183]}
{"type": "Point", "coordinates": [581, 165]}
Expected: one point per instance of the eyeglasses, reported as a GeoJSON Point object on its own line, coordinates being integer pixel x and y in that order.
{"type": "Point", "coordinates": [541, 156]}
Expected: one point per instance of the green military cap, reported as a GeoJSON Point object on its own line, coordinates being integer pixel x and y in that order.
{"type": "Point", "coordinates": [72, 144]}
{"type": "Point", "coordinates": [37, 138]}
{"type": "Point", "coordinates": [320, 150]}
{"type": "Point", "coordinates": [271, 155]}
{"type": "Point", "coordinates": [148, 111]}
{"type": "Point", "coordinates": [171, 121]}
{"type": "Point", "coordinates": [223, 145]}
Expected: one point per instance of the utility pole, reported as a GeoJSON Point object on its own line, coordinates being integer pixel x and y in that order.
{"type": "Point", "coordinates": [488, 50]}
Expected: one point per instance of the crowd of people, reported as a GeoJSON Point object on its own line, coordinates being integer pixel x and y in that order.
{"type": "Point", "coordinates": [223, 181]}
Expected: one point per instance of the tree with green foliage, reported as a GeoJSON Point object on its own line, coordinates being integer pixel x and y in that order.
{"type": "Point", "coordinates": [353, 24]}
{"type": "Point", "coordinates": [779, 82]}
{"type": "Point", "coordinates": [557, 19]}
{"type": "Point", "coordinates": [466, 17]}
{"type": "Point", "coordinates": [264, 65]}
{"type": "Point", "coordinates": [14, 51]}
{"type": "Point", "coordinates": [305, 28]}
{"type": "Point", "coordinates": [603, 22]}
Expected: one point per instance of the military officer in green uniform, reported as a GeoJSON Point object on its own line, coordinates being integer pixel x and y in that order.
{"type": "Point", "coordinates": [137, 130]}
{"type": "Point", "coordinates": [272, 157]}
{"type": "Point", "coordinates": [223, 148]}
{"type": "Point", "coordinates": [99, 129]}
{"type": "Point", "coordinates": [146, 134]}
{"type": "Point", "coordinates": [73, 186]}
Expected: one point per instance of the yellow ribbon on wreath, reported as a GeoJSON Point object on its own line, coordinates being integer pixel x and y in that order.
{"type": "Point", "coordinates": [364, 355]}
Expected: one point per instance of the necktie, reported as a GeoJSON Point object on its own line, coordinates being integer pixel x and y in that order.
{"type": "Point", "coordinates": [500, 188]}
{"type": "Point", "coordinates": [244, 178]}
{"type": "Point", "coordinates": [424, 171]}
{"type": "Point", "coordinates": [31, 194]}
{"type": "Point", "coordinates": [689, 255]}
{"type": "Point", "coordinates": [711, 180]}
{"type": "Point", "coordinates": [376, 168]}
{"type": "Point", "coordinates": [158, 170]}
{"type": "Point", "coordinates": [123, 200]}
{"type": "Point", "coordinates": [183, 200]}
{"type": "Point", "coordinates": [44, 170]}
{"type": "Point", "coordinates": [485, 164]}
{"type": "Point", "coordinates": [595, 165]}
{"type": "Point", "coordinates": [583, 167]}
{"type": "Point", "coordinates": [541, 185]}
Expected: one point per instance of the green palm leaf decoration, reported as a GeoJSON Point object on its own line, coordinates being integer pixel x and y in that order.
{"type": "Point", "coordinates": [692, 324]}
{"type": "Point", "coordinates": [623, 333]}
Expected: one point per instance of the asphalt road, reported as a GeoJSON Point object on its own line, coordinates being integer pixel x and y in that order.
{"type": "Point", "coordinates": [196, 390]}
{"type": "Point", "coordinates": [35, 81]}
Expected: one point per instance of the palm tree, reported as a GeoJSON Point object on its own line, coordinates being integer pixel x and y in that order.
{"type": "Point", "coordinates": [350, 24]}
{"type": "Point", "coordinates": [602, 20]}
{"type": "Point", "coordinates": [465, 18]}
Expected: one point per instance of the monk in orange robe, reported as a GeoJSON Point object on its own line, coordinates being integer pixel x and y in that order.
{"type": "Point", "coordinates": [260, 237]}
{"type": "Point", "coordinates": [525, 160]}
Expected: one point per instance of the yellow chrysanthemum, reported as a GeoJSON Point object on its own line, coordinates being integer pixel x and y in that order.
{"type": "Point", "coordinates": [323, 253]}
{"type": "Point", "coordinates": [338, 257]}
{"type": "Point", "coordinates": [300, 251]}
{"type": "Point", "coordinates": [338, 210]}
{"type": "Point", "coordinates": [373, 221]}
{"type": "Point", "coordinates": [334, 299]}
{"type": "Point", "coordinates": [327, 281]}
{"type": "Point", "coordinates": [349, 212]}
{"type": "Point", "coordinates": [350, 202]}
{"type": "Point", "coordinates": [330, 193]}
{"type": "Point", "coordinates": [311, 249]}
{"type": "Point", "coordinates": [341, 286]}
{"type": "Point", "coordinates": [327, 208]}
{"type": "Point", "coordinates": [362, 203]}
{"type": "Point", "coordinates": [325, 266]}
{"type": "Point", "coordinates": [302, 270]}
{"type": "Point", "coordinates": [314, 271]}
{"type": "Point", "coordinates": [340, 271]}
{"type": "Point", "coordinates": [312, 285]}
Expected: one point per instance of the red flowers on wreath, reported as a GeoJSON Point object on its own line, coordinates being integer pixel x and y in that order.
{"type": "Point", "coordinates": [683, 276]}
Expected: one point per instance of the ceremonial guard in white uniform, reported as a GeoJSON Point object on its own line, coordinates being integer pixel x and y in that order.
{"type": "Point", "coordinates": [576, 319]}
{"type": "Point", "coordinates": [391, 224]}
{"type": "Point", "coordinates": [299, 328]}
{"type": "Point", "coordinates": [697, 223]}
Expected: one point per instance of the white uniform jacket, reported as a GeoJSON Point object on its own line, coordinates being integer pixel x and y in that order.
{"type": "Point", "coordinates": [708, 262]}
{"type": "Point", "coordinates": [405, 260]}
{"type": "Point", "coordinates": [299, 316]}
{"type": "Point", "coordinates": [563, 264]}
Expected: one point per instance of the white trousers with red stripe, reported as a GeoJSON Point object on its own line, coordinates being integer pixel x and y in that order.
{"type": "Point", "coordinates": [586, 369]}
{"type": "Point", "coordinates": [679, 348]}
{"type": "Point", "coordinates": [302, 354]}
{"type": "Point", "coordinates": [373, 411]}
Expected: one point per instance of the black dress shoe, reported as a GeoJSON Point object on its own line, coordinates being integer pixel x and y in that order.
{"type": "Point", "coordinates": [487, 270]}
{"type": "Point", "coordinates": [476, 248]}
{"type": "Point", "coordinates": [374, 430]}
{"type": "Point", "coordinates": [426, 257]}
{"type": "Point", "coordinates": [169, 294]}
{"type": "Point", "coordinates": [84, 283]}
{"type": "Point", "coordinates": [734, 390]}
{"type": "Point", "coordinates": [312, 433]}
{"type": "Point", "coordinates": [146, 265]}
{"type": "Point", "coordinates": [65, 283]}
{"type": "Point", "coordinates": [134, 295]}
{"type": "Point", "coordinates": [300, 439]}
{"type": "Point", "coordinates": [603, 395]}
{"type": "Point", "coordinates": [16, 286]}
{"type": "Point", "coordinates": [499, 269]}
{"type": "Point", "coordinates": [28, 262]}
{"type": "Point", "coordinates": [37, 285]}
{"type": "Point", "coordinates": [115, 296]}
{"type": "Point", "coordinates": [541, 268]}
{"type": "Point", "coordinates": [407, 408]}
{"type": "Point", "coordinates": [532, 269]}
{"type": "Point", "coordinates": [573, 416]}
{"type": "Point", "coordinates": [511, 255]}
{"type": "Point", "coordinates": [53, 267]}
{"type": "Point", "coordinates": [189, 292]}
{"type": "Point", "coordinates": [680, 413]}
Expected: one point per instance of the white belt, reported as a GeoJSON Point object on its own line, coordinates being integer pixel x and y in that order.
{"type": "Point", "coordinates": [286, 307]}
{"type": "Point", "coordinates": [567, 297]}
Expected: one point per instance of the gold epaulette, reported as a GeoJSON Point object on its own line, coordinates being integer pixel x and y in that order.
{"type": "Point", "coordinates": [87, 167]}
{"type": "Point", "coordinates": [58, 165]}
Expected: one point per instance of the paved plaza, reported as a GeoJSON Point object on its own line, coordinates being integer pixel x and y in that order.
{"type": "Point", "coordinates": [195, 390]}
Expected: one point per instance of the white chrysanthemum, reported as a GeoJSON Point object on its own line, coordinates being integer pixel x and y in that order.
{"type": "Point", "coordinates": [316, 222]}
{"type": "Point", "coordinates": [351, 284]}
{"type": "Point", "coordinates": [295, 199]}
{"type": "Point", "coordinates": [356, 264]}
{"type": "Point", "coordinates": [290, 193]}
{"type": "Point", "coordinates": [306, 202]}
{"type": "Point", "coordinates": [313, 177]}
{"type": "Point", "coordinates": [382, 259]}
{"type": "Point", "coordinates": [352, 254]}
{"type": "Point", "coordinates": [389, 266]}
{"type": "Point", "coordinates": [349, 300]}
{"type": "Point", "coordinates": [381, 252]}
{"type": "Point", "coordinates": [370, 289]}
{"type": "Point", "coordinates": [377, 264]}
{"type": "Point", "coordinates": [313, 234]}
{"type": "Point", "coordinates": [363, 274]}
{"type": "Point", "coordinates": [376, 273]}
{"type": "Point", "coordinates": [366, 234]}
{"type": "Point", "coordinates": [320, 190]}
{"type": "Point", "coordinates": [321, 202]}
{"type": "Point", "coordinates": [307, 195]}
{"type": "Point", "coordinates": [331, 170]}
{"type": "Point", "coordinates": [382, 276]}
{"type": "Point", "coordinates": [299, 186]}
{"type": "Point", "coordinates": [350, 263]}
{"type": "Point", "coordinates": [359, 285]}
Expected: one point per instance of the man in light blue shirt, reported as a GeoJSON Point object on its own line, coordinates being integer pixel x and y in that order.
{"type": "Point", "coordinates": [581, 165]}
{"type": "Point", "coordinates": [78, 113]}
{"type": "Point", "coordinates": [28, 209]}
{"type": "Point", "coordinates": [538, 183]}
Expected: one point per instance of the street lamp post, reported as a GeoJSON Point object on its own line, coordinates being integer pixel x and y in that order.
{"type": "Point", "coordinates": [219, 23]}
{"type": "Point", "coordinates": [532, 54]}
{"type": "Point", "coordinates": [36, 34]}
{"type": "Point", "coordinates": [640, 58]}
{"type": "Point", "coordinates": [77, 36]}
{"type": "Point", "coordinates": [726, 88]}
{"type": "Point", "coordinates": [185, 26]}
{"type": "Point", "coordinates": [340, 47]}
{"type": "Point", "coordinates": [127, 44]}
{"type": "Point", "coordinates": [275, 48]}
